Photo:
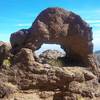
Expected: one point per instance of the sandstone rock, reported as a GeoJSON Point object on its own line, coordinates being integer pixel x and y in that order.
{"type": "Point", "coordinates": [25, 56]}
{"type": "Point", "coordinates": [59, 26]}
{"type": "Point", "coordinates": [48, 77]}
{"type": "Point", "coordinates": [75, 80]}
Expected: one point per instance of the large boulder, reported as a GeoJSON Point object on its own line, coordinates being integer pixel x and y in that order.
{"type": "Point", "coordinates": [25, 56]}
{"type": "Point", "coordinates": [58, 26]}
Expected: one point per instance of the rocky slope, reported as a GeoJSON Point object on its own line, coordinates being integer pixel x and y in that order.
{"type": "Point", "coordinates": [52, 75]}
{"type": "Point", "coordinates": [27, 79]}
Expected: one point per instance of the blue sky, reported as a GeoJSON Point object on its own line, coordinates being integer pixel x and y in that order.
{"type": "Point", "coordinates": [18, 14]}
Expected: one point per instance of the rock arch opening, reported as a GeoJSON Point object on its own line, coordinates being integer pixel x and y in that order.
{"type": "Point", "coordinates": [55, 53]}
{"type": "Point", "coordinates": [53, 47]}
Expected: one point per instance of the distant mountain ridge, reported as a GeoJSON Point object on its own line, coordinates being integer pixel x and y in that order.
{"type": "Point", "coordinates": [97, 53]}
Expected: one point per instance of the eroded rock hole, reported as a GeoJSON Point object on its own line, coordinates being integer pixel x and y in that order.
{"type": "Point", "coordinates": [51, 47]}
{"type": "Point", "coordinates": [53, 54]}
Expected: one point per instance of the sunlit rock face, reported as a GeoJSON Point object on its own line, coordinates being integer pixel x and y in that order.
{"type": "Point", "coordinates": [58, 26]}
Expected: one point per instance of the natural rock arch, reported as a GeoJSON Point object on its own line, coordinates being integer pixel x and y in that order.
{"type": "Point", "coordinates": [58, 26]}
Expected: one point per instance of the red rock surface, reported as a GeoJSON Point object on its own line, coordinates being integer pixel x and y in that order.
{"type": "Point", "coordinates": [58, 26]}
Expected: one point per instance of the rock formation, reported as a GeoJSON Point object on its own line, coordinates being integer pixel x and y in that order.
{"type": "Point", "coordinates": [27, 79]}
{"type": "Point", "coordinates": [23, 77]}
{"type": "Point", "coordinates": [58, 26]}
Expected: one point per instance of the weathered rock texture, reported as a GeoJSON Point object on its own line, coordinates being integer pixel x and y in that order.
{"type": "Point", "coordinates": [28, 80]}
{"type": "Point", "coordinates": [22, 77]}
{"type": "Point", "coordinates": [58, 26]}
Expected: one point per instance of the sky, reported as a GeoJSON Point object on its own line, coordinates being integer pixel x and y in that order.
{"type": "Point", "coordinates": [18, 14]}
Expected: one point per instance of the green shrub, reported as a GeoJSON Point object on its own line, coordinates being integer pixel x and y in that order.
{"type": "Point", "coordinates": [6, 63]}
{"type": "Point", "coordinates": [80, 98]}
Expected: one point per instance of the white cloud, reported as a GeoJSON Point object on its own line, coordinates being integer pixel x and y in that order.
{"type": "Point", "coordinates": [96, 25]}
{"type": "Point", "coordinates": [97, 32]}
{"type": "Point", "coordinates": [93, 21]}
{"type": "Point", "coordinates": [21, 25]}
{"type": "Point", "coordinates": [96, 39]}
{"type": "Point", "coordinates": [96, 42]}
